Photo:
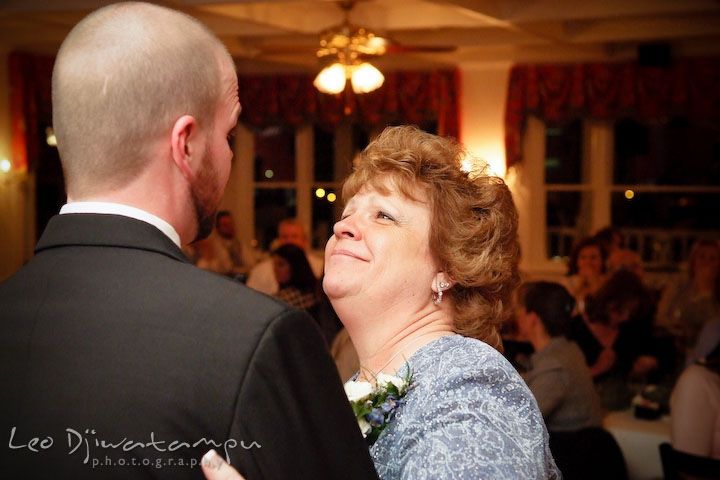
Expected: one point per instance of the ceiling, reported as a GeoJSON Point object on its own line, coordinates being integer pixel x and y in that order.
{"type": "Point", "coordinates": [282, 35]}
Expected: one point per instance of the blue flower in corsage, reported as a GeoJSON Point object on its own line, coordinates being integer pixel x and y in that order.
{"type": "Point", "coordinates": [375, 407]}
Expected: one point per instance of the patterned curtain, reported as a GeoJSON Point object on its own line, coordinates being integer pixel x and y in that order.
{"type": "Point", "coordinates": [405, 97]}
{"type": "Point", "coordinates": [689, 87]}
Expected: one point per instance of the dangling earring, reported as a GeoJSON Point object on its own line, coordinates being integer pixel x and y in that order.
{"type": "Point", "coordinates": [437, 297]}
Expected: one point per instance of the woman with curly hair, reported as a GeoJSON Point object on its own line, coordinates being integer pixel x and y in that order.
{"type": "Point", "coordinates": [686, 306]}
{"type": "Point", "coordinates": [420, 270]}
{"type": "Point", "coordinates": [615, 334]}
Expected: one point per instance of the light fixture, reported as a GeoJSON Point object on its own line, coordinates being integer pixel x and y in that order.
{"type": "Point", "coordinates": [364, 78]}
{"type": "Point", "coordinates": [346, 46]}
{"type": "Point", "coordinates": [331, 79]}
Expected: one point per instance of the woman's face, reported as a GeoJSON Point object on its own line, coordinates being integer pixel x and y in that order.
{"type": "Point", "coordinates": [282, 269]}
{"type": "Point", "coordinates": [379, 250]}
{"type": "Point", "coordinates": [589, 261]}
{"type": "Point", "coordinates": [707, 262]}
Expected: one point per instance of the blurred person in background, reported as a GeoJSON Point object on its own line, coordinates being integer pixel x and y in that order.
{"type": "Point", "coordinates": [290, 231]}
{"type": "Point", "coordinates": [689, 303]}
{"type": "Point", "coordinates": [559, 377]}
{"type": "Point", "coordinates": [616, 335]}
{"type": "Point", "coordinates": [235, 258]}
{"type": "Point", "coordinates": [586, 270]}
{"type": "Point", "coordinates": [695, 407]}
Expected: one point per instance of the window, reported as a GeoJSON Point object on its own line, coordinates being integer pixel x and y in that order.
{"type": "Point", "coordinates": [299, 173]}
{"type": "Point", "coordinates": [665, 185]}
{"type": "Point", "coordinates": [566, 182]}
{"type": "Point", "coordinates": [656, 181]}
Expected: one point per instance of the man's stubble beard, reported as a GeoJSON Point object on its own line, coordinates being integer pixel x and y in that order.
{"type": "Point", "coordinates": [205, 197]}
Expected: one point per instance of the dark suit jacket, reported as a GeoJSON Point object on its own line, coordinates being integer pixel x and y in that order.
{"type": "Point", "coordinates": [124, 360]}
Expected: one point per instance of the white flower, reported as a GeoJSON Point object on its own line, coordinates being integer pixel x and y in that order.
{"type": "Point", "coordinates": [365, 427]}
{"type": "Point", "coordinates": [383, 379]}
{"type": "Point", "coordinates": [358, 391]}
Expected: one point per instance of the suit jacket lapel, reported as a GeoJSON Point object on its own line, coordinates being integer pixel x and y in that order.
{"type": "Point", "coordinates": [90, 229]}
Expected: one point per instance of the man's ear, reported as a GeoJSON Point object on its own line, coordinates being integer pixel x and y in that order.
{"type": "Point", "coordinates": [184, 144]}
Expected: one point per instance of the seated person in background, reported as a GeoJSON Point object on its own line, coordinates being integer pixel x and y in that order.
{"type": "Point", "coordinates": [610, 238]}
{"type": "Point", "coordinates": [299, 287]}
{"type": "Point", "coordinates": [297, 283]}
{"type": "Point", "coordinates": [234, 257]}
{"type": "Point", "coordinates": [708, 338]}
{"type": "Point", "coordinates": [618, 258]}
{"type": "Point", "coordinates": [586, 270]}
{"type": "Point", "coordinates": [290, 231]}
{"type": "Point", "coordinates": [686, 306]}
{"type": "Point", "coordinates": [205, 255]}
{"type": "Point", "coordinates": [615, 334]}
{"type": "Point", "coordinates": [625, 259]}
{"type": "Point", "coordinates": [695, 408]}
{"type": "Point", "coordinates": [559, 376]}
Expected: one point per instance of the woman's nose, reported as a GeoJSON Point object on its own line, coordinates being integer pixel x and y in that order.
{"type": "Point", "coordinates": [347, 228]}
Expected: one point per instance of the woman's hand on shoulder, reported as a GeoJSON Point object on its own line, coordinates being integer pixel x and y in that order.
{"type": "Point", "coordinates": [215, 468]}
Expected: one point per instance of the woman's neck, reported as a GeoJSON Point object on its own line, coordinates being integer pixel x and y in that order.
{"type": "Point", "coordinates": [386, 352]}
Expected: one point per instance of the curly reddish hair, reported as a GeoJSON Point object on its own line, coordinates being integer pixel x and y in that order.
{"type": "Point", "coordinates": [473, 229]}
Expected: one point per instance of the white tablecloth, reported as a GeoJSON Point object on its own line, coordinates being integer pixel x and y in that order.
{"type": "Point", "coordinates": [639, 441]}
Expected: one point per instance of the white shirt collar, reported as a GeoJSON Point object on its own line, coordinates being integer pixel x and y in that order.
{"type": "Point", "coordinates": [109, 208]}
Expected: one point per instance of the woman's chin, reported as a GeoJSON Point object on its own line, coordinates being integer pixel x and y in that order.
{"type": "Point", "coordinates": [335, 287]}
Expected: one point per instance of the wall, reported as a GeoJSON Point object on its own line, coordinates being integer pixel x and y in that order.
{"type": "Point", "coordinates": [484, 91]}
{"type": "Point", "coordinates": [17, 234]}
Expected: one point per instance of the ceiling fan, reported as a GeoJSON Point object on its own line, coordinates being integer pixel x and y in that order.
{"type": "Point", "coordinates": [346, 50]}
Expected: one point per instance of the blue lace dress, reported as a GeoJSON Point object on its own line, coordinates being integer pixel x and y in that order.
{"type": "Point", "coordinates": [470, 415]}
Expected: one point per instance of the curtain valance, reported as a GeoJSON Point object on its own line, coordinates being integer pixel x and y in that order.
{"type": "Point", "coordinates": [688, 87]}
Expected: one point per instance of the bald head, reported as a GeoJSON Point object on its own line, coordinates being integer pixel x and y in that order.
{"type": "Point", "coordinates": [122, 77]}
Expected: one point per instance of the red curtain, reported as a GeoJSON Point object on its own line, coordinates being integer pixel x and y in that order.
{"type": "Point", "coordinates": [689, 87]}
{"type": "Point", "coordinates": [30, 108]}
{"type": "Point", "coordinates": [405, 97]}
{"type": "Point", "coordinates": [408, 97]}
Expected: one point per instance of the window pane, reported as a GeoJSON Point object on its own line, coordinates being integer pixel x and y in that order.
{"type": "Point", "coordinates": [361, 138]}
{"type": "Point", "coordinates": [275, 155]}
{"type": "Point", "coordinates": [678, 152]}
{"type": "Point", "coordinates": [324, 142]}
{"type": "Point", "coordinates": [326, 209]}
{"type": "Point", "coordinates": [691, 211]}
{"type": "Point", "coordinates": [661, 227]}
{"type": "Point", "coordinates": [563, 153]}
{"type": "Point", "coordinates": [564, 211]}
{"type": "Point", "coordinates": [271, 206]}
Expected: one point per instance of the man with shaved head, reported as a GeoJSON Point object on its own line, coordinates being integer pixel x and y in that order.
{"type": "Point", "coordinates": [119, 358]}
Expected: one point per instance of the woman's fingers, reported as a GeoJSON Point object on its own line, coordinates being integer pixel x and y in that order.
{"type": "Point", "coordinates": [215, 468]}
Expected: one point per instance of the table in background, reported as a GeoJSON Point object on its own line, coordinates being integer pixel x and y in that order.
{"type": "Point", "coordinates": [640, 442]}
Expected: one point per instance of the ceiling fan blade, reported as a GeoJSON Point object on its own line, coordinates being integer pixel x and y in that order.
{"type": "Point", "coordinates": [394, 48]}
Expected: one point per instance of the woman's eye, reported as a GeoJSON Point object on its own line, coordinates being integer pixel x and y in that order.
{"type": "Point", "coordinates": [384, 216]}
